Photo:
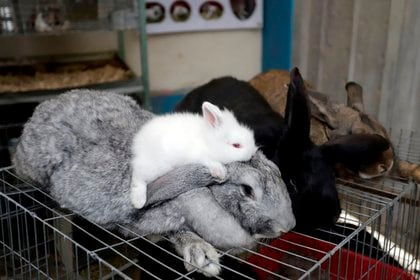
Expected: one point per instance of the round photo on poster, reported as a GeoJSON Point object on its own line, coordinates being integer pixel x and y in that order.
{"type": "Point", "coordinates": [180, 11]}
{"type": "Point", "coordinates": [242, 9]}
{"type": "Point", "coordinates": [155, 12]}
{"type": "Point", "coordinates": [211, 10]}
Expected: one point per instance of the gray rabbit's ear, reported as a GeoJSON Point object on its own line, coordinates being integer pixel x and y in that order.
{"type": "Point", "coordinates": [355, 101]}
{"type": "Point", "coordinates": [321, 109]}
{"type": "Point", "coordinates": [257, 158]}
{"type": "Point", "coordinates": [260, 162]}
{"type": "Point", "coordinates": [355, 96]}
{"type": "Point", "coordinates": [177, 181]}
{"type": "Point", "coordinates": [212, 114]}
{"type": "Point", "coordinates": [373, 126]}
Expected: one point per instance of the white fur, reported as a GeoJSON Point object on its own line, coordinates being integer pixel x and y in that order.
{"type": "Point", "coordinates": [202, 255]}
{"type": "Point", "coordinates": [168, 141]}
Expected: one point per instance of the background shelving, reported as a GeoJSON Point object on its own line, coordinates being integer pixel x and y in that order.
{"type": "Point", "coordinates": [61, 17]}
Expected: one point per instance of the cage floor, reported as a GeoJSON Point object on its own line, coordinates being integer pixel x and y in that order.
{"type": "Point", "coordinates": [377, 237]}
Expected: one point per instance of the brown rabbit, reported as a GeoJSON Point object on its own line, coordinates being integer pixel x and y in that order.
{"type": "Point", "coordinates": [331, 121]}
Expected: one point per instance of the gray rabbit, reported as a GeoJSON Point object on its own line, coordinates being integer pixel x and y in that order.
{"type": "Point", "coordinates": [78, 145]}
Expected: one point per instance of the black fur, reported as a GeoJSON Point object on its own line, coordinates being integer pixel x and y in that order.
{"type": "Point", "coordinates": [356, 151]}
{"type": "Point", "coordinates": [308, 174]}
{"type": "Point", "coordinates": [249, 107]}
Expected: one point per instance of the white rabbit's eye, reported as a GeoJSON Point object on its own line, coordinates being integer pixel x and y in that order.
{"type": "Point", "coordinates": [247, 190]}
{"type": "Point", "coordinates": [237, 145]}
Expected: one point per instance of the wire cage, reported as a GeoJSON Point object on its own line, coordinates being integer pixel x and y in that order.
{"type": "Point", "coordinates": [60, 17]}
{"type": "Point", "coordinates": [55, 16]}
{"type": "Point", "coordinates": [9, 134]}
{"type": "Point", "coordinates": [376, 237]}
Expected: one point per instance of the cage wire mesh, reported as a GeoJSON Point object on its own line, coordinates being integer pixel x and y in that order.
{"type": "Point", "coordinates": [9, 134]}
{"type": "Point", "coordinates": [406, 143]}
{"type": "Point", "coordinates": [55, 16]}
{"type": "Point", "coordinates": [376, 237]}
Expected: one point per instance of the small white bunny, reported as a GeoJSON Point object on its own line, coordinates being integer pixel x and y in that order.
{"type": "Point", "coordinates": [168, 141]}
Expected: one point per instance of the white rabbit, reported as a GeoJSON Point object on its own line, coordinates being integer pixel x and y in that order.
{"type": "Point", "coordinates": [172, 140]}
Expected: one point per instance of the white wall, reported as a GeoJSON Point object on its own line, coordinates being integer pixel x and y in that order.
{"type": "Point", "coordinates": [181, 60]}
{"type": "Point", "coordinates": [190, 59]}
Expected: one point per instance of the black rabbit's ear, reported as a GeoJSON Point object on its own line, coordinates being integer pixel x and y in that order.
{"type": "Point", "coordinates": [297, 112]}
{"type": "Point", "coordinates": [357, 151]}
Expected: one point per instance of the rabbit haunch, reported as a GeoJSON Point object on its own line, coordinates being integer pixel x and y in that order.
{"type": "Point", "coordinates": [172, 140]}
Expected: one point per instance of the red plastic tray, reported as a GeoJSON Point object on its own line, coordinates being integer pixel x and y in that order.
{"type": "Point", "coordinates": [343, 264]}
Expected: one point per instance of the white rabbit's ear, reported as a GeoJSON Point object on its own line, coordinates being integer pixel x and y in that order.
{"type": "Point", "coordinates": [212, 114]}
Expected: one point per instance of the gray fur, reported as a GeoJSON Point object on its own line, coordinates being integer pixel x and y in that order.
{"type": "Point", "coordinates": [79, 123]}
{"type": "Point", "coordinates": [79, 146]}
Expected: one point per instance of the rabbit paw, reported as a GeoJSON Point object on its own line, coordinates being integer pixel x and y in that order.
{"type": "Point", "coordinates": [203, 256]}
{"type": "Point", "coordinates": [218, 170]}
{"type": "Point", "coordinates": [138, 194]}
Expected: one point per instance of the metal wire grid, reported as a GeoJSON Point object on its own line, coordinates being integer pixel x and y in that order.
{"type": "Point", "coordinates": [9, 134]}
{"type": "Point", "coordinates": [40, 240]}
{"type": "Point", "coordinates": [20, 16]}
{"type": "Point", "coordinates": [406, 143]}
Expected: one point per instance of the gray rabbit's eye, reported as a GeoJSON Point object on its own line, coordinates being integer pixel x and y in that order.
{"type": "Point", "coordinates": [247, 190]}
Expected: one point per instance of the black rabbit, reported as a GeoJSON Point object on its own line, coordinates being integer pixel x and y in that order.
{"type": "Point", "coordinates": [307, 169]}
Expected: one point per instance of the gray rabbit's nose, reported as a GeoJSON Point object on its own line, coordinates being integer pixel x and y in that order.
{"type": "Point", "coordinates": [270, 228]}
{"type": "Point", "coordinates": [283, 225]}
{"type": "Point", "coordinates": [286, 223]}
{"type": "Point", "coordinates": [291, 223]}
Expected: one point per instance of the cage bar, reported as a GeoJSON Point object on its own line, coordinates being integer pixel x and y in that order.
{"type": "Point", "coordinates": [376, 237]}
